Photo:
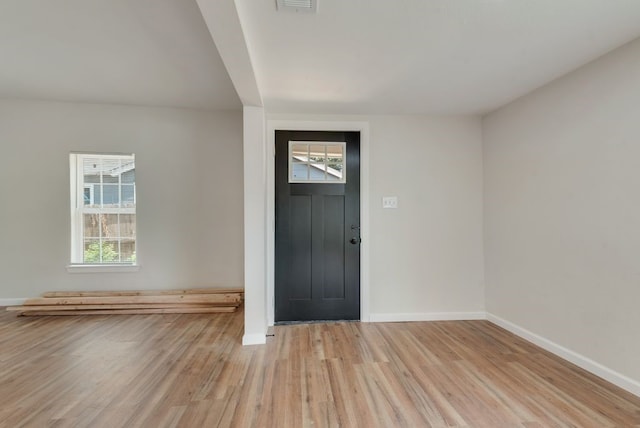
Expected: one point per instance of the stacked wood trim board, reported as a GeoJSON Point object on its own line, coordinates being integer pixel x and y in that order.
{"type": "Point", "coordinates": [188, 301]}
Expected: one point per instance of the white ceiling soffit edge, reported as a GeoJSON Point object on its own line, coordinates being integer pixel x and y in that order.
{"type": "Point", "coordinates": [308, 6]}
{"type": "Point", "coordinates": [223, 21]}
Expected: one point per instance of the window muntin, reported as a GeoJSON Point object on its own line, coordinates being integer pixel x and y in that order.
{"type": "Point", "coordinates": [103, 209]}
{"type": "Point", "coordinates": [317, 162]}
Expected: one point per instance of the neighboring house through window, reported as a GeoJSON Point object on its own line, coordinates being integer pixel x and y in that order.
{"type": "Point", "coordinates": [103, 209]}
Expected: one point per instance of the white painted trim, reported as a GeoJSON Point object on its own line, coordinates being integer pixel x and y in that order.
{"type": "Point", "coordinates": [254, 339]}
{"type": "Point", "coordinates": [365, 232]}
{"type": "Point", "coordinates": [12, 302]}
{"type": "Point", "coordinates": [105, 268]}
{"type": "Point", "coordinates": [428, 316]}
{"type": "Point", "coordinates": [588, 364]}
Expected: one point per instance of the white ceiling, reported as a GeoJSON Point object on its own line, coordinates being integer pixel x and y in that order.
{"type": "Point", "coordinates": [142, 52]}
{"type": "Point", "coordinates": [352, 57]}
{"type": "Point", "coordinates": [425, 56]}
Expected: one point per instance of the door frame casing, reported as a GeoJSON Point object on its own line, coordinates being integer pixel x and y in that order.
{"type": "Point", "coordinates": [309, 125]}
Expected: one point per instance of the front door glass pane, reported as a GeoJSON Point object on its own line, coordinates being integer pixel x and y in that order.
{"type": "Point", "coordinates": [317, 162]}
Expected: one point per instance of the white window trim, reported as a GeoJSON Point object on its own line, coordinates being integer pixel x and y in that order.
{"type": "Point", "coordinates": [77, 201]}
{"type": "Point", "coordinates": [102, 268]}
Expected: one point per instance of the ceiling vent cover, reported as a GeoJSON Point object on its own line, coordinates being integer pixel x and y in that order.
{"type": "Point", "coordinates": [298, 5]}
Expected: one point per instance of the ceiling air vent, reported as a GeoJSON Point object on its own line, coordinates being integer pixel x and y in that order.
{"type": "Point", "coordinates": [298, 5]}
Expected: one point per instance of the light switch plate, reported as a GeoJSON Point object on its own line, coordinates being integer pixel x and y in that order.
{"type": "Point", "coordinates": [390, 202]}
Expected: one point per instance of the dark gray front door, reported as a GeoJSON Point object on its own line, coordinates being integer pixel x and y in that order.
{"type": "Point", "coordinates": [317, 265]}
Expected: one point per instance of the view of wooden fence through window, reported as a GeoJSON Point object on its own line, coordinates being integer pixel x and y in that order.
{"type": "Point", "coordinates": [105, 209]}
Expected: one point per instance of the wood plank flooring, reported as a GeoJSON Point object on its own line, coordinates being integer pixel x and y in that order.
{"type": "Point", "coordinates": [190, 370]}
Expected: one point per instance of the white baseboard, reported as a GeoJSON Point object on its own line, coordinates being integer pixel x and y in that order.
{"type": "Point", "coordinates": [254, 339]}
{"type": "Point", "coordinates": [12, 302]}
{"type": "Point", "coordinates": [427, 316]}
{"type": "Point", "coordinates": [589, 365]}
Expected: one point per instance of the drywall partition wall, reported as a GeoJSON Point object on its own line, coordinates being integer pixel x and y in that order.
{"type": "Point", "coordinates": [562, 213]}
{"type": "Point", "coordinates": [189, 180]}
{"type": "Point", "coordinates": [255, 226]}
{"type": "Point", "coordinates": [425, 258]}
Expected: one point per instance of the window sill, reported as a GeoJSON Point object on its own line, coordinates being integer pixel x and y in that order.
{"type": "Point", "coordinates": [86, 268]}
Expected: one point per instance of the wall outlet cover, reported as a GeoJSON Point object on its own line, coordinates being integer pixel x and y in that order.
{"type": "Point", "coordinates": [390, 202]}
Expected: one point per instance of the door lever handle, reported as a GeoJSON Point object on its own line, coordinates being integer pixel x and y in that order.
{"type": "Point", "coordinates": [354, 227]}
{"type": "Point", "coordinates": [355, 240]}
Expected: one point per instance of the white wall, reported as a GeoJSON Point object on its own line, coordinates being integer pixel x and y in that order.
{"type": "Point", "coordinates": [189, 182]}
{"type": "Point", "coordinates": [562, 211]}
{"type": "Point", "coordinates": [426, 256]}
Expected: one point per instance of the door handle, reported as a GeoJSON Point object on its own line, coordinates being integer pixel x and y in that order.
{"type": "Point", "coordinates": [355, 240]}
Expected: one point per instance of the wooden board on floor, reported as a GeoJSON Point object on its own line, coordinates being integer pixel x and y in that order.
{"type": "Point", "coordinates": [229, 299]}
{"type": "Point", "coordinates": [194, 300]}
{"type": "Point", "coordinates": [105, 307]}
{"type": "Point", "coordinates": [209, 310]}
{"type": "Point", "coordinates": [51, 294]}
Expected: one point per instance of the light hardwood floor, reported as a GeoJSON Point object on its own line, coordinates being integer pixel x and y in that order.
{"type": "Point", "coordinates": [191, 371]}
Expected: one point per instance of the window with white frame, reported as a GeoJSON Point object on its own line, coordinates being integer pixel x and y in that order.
{"type": "Point", "coordinates": [103, 209]}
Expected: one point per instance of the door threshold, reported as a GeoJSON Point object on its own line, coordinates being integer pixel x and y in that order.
{"type": "Point", "coordinates": [311, 322]}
